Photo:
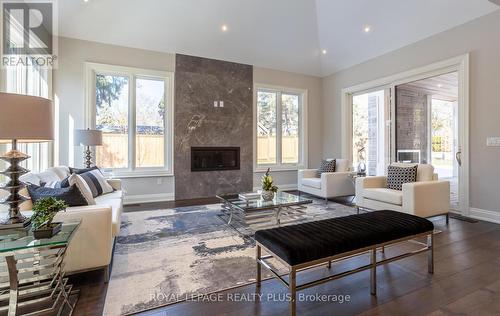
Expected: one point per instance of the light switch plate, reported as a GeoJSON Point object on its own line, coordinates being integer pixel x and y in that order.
{"type": "Point", "coordinates": [221, 104]}
{"type": "Point", "coordinates": [215, 104]}
{"type": "Point", "coordinates": [493, 141]}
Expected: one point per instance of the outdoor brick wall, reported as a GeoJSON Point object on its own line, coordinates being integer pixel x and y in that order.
{"type": "Point", "coordinates": [411, 122]}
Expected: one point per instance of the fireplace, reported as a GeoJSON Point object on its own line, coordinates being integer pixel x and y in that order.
{"type": "Point", "coordinates": [215, 158]}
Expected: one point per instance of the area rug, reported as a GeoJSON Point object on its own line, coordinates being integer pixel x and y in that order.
{"type": "Point", "coordinates": [168, 255]}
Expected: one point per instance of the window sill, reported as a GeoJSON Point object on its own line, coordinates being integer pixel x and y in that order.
{"type": "Point", "coordinates": [138, 174]}
{"type": "Point", "coordinates": [277, 169]}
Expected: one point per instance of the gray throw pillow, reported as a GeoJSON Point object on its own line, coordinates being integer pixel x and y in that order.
{"type": "Point", "coordinates": [326, 166]}
{"type": "Point", "coordinates": [397, 176]}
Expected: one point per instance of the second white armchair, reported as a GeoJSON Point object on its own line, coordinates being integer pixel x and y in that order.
{"type": "Point", "coordinates": [330, 184]}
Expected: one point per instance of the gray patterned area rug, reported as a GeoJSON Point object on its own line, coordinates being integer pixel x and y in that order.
{"type": "Point", "coordinates": [168, 255]}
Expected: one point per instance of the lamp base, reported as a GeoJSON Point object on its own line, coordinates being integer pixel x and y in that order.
{"type": "Point", "coordinates": [14, 199]}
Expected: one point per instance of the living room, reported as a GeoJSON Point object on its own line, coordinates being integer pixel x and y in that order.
{"type": "Point", "coordinates": [250, 157]}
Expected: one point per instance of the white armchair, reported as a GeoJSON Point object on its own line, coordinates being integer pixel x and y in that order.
{"type": "Point", "coordinates": [427, 197]}
{"type": "Point", "coordinates": [330, 184]}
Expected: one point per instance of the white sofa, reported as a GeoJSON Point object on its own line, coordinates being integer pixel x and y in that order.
{"type": "Point", "coordinates": [92, 246]}
{"type": "Point", "coordinates": [330, 184]}
{"type": "Point", "coordinates": [427, 197]}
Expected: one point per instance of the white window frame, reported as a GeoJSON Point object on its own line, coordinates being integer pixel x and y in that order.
{"type": "Point", "coordinates": [279, 166]}
{"type": "Point", "coordinates": [91, 69]}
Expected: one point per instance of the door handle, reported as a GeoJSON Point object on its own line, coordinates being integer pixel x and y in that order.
{"type": "Point", "coordinates": [458, 156]}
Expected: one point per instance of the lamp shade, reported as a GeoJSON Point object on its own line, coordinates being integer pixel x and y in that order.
{"type": "Point", "coordinates": [88, 137]}
{"type": "Point", "coordinates": [26, 118]}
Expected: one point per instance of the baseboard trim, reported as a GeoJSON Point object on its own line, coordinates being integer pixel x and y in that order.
{"type": "Point", "coordinates": [148, 198]}
{"type": "Point", "coordinates": [282, 187]}
{"type": "Point", "coordinates": [485, 215]}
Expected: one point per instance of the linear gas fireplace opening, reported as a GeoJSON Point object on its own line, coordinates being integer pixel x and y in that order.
{"type": "Point", "coordinates": [215, 158]}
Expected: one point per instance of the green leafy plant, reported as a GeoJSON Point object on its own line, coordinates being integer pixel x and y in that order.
{"type": "Point", "coordinates": [44, 211]}
{"type": "Point", "coordinates": [267, 182]}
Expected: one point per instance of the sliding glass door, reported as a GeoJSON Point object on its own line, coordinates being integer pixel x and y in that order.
{"type": "Point", "coordinates": [427, 116]}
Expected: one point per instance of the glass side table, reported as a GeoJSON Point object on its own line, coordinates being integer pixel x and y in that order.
{"type": "Point", "coordinates": [353, 176]}
{"type": "Point", "coordinates": [32, 279]}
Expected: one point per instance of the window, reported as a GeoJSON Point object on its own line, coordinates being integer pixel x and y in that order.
{"type": "Point", "coordinates": [133, 109]}
{"type": "Point", "coordinates": [30, 81]}
{"type": "Point", "coordinates": [280, 128]}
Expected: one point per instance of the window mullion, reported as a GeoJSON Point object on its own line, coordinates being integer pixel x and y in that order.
{"type": "Point", "coordinates": [132, 123]}
{"type": "Point", "coordinates": [279, 133]}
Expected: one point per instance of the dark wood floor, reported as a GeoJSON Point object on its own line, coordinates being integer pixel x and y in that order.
{"type": "Point", "coordinates": [466, 282]}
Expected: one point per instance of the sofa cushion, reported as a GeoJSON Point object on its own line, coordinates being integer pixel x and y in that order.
{"type": "Point", "coordinates": [30, 178]}
{"type": "Point", "coordinates": [116, 208]}
{"type": "Point", "coordinates": [397, 176]}
{"type": "Point", "coordinates": [96, 182]}
{"type": "Point", "coordinates": [384, 195]}
{"type": "Point", "coordinates": [113, 195]}
{"type": "Point", "coordinates": [84, 188]}
{"type": "Point", "coordinates": [48, 176]}
{"type": "Point", "coordinates": [341, 165]}
{"type": "Point", "coordinates": [62, 172]}
{"type": "Point", "coordinates": [82, 170]}
{"type": "Point", "coordinates": [312, 182]}
{"type": "Point", "coordinates": [327, 165]}
{"type": "Point", "coordinates": [425, 172]}
{"type": "Point", "coordinates": [72, 195]}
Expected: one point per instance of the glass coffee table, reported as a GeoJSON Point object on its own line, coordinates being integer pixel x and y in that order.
{"type": "Point", "coordinates": [284, 208]}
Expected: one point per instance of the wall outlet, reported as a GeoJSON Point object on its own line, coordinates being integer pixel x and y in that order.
{"type": "Point", "coordinates": [216, 104]}
{"type": "Point", "coordinates": [493, 141]}
{"type": "Point", "coordinates": [221, 104]}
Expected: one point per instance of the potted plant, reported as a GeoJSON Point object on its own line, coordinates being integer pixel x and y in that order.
{"type": "Point", "coordinates": [268, 187]}
{"type": "Point", "coordinates": [44, 211]}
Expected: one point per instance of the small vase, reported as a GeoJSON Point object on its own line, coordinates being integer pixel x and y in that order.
{"type": "Point", "coordinates": [267, 195]}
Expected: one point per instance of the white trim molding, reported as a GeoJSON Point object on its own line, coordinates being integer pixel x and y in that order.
{"type": "Point", "coordinates": [132, 73]}
{"type": "Point", "coordinates": [485, 215]}
{"type": "Point", "coordinates": [459, 64]}
{"type": "Point", "coordinates": [282, 187]}
{"type": "Point", "coordinates": [303, 128]}
{"type": "Point", "coordinates": [148, 198]}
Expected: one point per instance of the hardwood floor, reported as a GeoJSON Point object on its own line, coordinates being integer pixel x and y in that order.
{"type": "Point", "coordinates": [466, 282]}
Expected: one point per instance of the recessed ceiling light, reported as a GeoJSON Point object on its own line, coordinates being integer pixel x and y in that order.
{"type": "Point", "coordinates": [367, 29]}
{"type": "Point", "coordinates": [440, 85]}
{"type": "Point", "coordinates": [323, 51]}
{"type": "Point", "coordinates": [224, 28]}
{"type": "Point", "coordinates": [85, 0]}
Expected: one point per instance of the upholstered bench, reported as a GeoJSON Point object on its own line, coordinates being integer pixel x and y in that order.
{"type": "Point", "coordinates": [304, 246]}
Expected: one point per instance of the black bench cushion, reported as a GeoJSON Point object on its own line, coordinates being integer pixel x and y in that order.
{"type": "Point", "coordinates": [306, 242]}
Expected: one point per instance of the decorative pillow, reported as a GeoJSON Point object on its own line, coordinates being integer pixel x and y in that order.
{"type": "Point", "coordinates": [327, 165]}
{"type": "Point", "coordinates": [83, 170]}
{"type": "Point", "coordinates": [56, 184]}
{"type": "Point", "coordinates": [71, 195]}
{"type": "Point", "coordinates": [397, 176]}
{"type": "Point", "coordinates": [82, 185]}
{"type": "Point", "coordinates": [96, 182]}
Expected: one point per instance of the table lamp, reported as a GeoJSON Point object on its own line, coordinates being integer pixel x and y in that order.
{"type": "Point", "coordinates": [87, 138]}
{"type": "Point", "coordinates": [23, 119]}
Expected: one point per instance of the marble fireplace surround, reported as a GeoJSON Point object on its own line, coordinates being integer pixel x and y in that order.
{"type": "Point", "coordinates": [199, 82]}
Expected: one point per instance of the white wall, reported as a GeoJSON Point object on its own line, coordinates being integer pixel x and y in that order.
{"type": "Point", "coordinates": [288, 179]}
{"type": "Point", "coordinates": [69, 94]}
{"type": "Point", "coordinates": [480, 38]}
{"type": "Point", "coordinates": [69, 90]}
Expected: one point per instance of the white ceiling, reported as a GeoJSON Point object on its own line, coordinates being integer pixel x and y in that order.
{"type": "Point", "coordinates": [280, 34]}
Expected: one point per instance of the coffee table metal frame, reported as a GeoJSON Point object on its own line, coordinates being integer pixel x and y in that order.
{"type": "Point", "coordinates": [248, 213]}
